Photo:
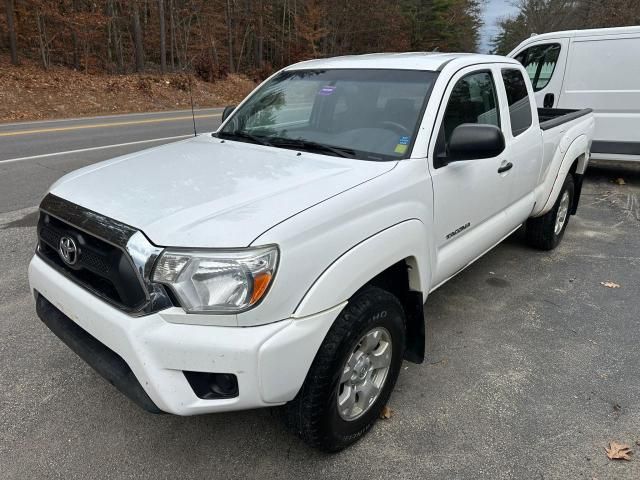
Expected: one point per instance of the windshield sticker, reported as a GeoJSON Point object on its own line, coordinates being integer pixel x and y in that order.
{"type": "Point", "coordinates": [403, 144]}
{"type": "Point", "coordinates": [327, 90]}
{"type": "Point", "coordinates": [401, 148]}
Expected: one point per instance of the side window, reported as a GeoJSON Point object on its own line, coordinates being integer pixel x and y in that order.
{"type": "Point", "coordinates": [519, 103]}
{"type": "Point", "coordinates": [540, 61]}
{"type": "Point", "coordinates": [275, 108]}
{"type": "Point", "coordinates": [472, 100]}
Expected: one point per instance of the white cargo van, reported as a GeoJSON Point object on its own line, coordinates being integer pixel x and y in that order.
{"type": "Point", "coordinates": [598, 69]}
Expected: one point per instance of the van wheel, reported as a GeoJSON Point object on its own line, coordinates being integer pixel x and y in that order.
{"type": "Point", "coordinates": [353, 373]}
{"type": "Point", "coordinates": [546, 232]}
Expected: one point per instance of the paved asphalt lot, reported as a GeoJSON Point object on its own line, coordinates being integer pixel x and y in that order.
{"type": "Point", "coordinates": [533, 366]}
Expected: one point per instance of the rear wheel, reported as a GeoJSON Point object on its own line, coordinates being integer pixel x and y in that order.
{"type": "Point", "coordinates": [353, 374]}
{"type": "Point", "coordinates": [546, 232]}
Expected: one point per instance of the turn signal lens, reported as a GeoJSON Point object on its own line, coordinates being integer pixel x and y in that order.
{"type": "Point", "coordinates": [260, 284]}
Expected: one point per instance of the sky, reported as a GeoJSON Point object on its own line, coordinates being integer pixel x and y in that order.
{"type": "Point", "coordinates": [493, 11]}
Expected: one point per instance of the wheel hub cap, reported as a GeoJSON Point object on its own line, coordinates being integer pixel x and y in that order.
{"type": "Point", "coordinates": [364, 374]}
{"type": "Point", "coordinates": [561, 215]}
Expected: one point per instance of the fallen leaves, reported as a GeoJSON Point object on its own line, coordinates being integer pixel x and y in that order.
{"type": "Point", "coordinates": [386, 413]}
{"type": "Point", "coordinates": [610, 284]}
{"type": "Point", "coordinates": [29, 93]}
{"type": "Point", "coordinates": [618, 451]}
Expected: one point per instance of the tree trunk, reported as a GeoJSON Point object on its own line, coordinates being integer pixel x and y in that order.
{"type": "Point", "coordinates": [216, 60]}
{"type": "Point", "coordinates": [260, 42]}
{"type": "Point", "coordinates": [230, 34]}
{"type": "Point", "coordinates": [163, 42]}
{"type": "Point", "coordinates": [42, 40]}
{"type": "Point", "coordinates": [12, 32]}
{"type": "Point", "coordinates": [244, 40]}
{"type": "Point", "coordinates": [137, 35]}
{"type": "Point", "coordinates": [172, 36]}
{"type": "Point", "coordinates": [117, 38]}
{"type": "Point", "coordinates": [74, 39]}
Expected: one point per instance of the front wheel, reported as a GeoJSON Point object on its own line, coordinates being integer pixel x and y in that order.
{"type": "Point", "coordinates": [353, 373]}
{"type": "Point", "coordinates": [546, 232]}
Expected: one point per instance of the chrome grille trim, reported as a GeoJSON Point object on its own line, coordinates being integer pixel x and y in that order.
{"type": "Point", "coordinates": [139, 251]}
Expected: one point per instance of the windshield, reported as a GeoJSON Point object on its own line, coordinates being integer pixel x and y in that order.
{"type": "Point", "coordinates": [362, 114]}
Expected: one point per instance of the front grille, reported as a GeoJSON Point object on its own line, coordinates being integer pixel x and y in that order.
{"type": "Point", "coordinates": [100, 266]}
{"type": "Point", "coordinates": [112, 260]}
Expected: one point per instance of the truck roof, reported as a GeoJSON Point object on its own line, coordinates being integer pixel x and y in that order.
{"type": "Point", "coordinates": [433, 61]}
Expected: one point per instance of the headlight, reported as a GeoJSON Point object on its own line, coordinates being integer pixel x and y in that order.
{"type": "Point", "coordinates": [217, 281]}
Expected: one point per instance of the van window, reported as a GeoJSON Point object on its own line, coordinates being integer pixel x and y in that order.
{"type": "Point", "coordinates": [519, 103]}
{"type": "Point", "coordinates": [473, 100]}
{"type": "Point", "coordinates": [540, 61]}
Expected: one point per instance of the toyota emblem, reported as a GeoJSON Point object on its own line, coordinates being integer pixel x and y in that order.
{"type": "Point", "coordinates": [68, 250]}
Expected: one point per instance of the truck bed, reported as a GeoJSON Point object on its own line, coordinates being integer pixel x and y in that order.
{"type": "Point", "coordinates": [552, 117]}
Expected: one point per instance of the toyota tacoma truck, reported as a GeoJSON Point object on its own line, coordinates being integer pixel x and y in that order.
{"type": "Point", "coordinates": [284, 260]}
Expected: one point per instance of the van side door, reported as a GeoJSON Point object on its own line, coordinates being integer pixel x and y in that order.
{"type": "Point", "coordinates": [545, 64]}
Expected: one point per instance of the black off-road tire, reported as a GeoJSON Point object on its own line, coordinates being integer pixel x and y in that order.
{"type": "Point", "coordinates": [540, 231]}
{"type": "Point", "coordinates": [313, 414]}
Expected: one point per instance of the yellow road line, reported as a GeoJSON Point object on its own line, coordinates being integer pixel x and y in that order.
{"type": "Point", "coordinates": [104, 125]}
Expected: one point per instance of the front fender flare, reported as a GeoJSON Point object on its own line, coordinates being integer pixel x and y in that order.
{"type": "Point", "coordinates": [358, 265]}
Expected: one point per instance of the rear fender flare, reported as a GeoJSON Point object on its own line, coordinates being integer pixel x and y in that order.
{"type": "Point", "coordinates": [576, 151]}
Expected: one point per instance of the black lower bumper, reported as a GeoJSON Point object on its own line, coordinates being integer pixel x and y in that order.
{"type": "Point", "coordinates": [102, 359]}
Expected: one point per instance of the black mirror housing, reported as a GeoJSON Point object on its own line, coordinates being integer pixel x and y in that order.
{"type": "Point", "coordinates": [471, 141]}
{"type": "Point", "coordinates": [228, 110]}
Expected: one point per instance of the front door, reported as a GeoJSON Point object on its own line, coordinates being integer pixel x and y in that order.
{"type": "Point", "coordinates": [471, 196]}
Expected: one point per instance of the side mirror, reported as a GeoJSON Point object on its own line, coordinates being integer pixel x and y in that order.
{"type": "Point", "coordinates": [471, 141]}
{"type": "Point", "coordinates": [228, 111]}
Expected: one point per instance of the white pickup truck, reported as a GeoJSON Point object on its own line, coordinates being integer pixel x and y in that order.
{"type": "Point", "coordinates": [285, 259]}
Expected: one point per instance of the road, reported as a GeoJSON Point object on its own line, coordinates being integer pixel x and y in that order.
{"type": "Point", "coordinates": [532, 365]}
{"type": "Point", "coordinates": [34, 154]}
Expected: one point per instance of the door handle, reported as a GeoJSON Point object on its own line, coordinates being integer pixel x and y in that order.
{"type": "Point", "coordinates": [549, 98]}
{"type": "Point", "coordinates": [508, 166]}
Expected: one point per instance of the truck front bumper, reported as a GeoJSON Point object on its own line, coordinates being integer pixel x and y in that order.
{"type": "Point", "coordinates": [146, 357]}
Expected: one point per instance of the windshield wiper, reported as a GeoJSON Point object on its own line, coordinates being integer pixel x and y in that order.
{"type": "Point", "coordinates": [309, 145]}
{"type": "Point", "coordinates": [241, 135]}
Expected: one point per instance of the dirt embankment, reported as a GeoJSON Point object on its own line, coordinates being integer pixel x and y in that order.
{"type": "Point", "coordinates": [29, 93]}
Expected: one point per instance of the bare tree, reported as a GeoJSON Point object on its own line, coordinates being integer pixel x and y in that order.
{"type": "Point", "coordinates": [229, 16]}
{"type": "Point", "coordinates": [74, 36]}
{"type": "Point", "coordinates": [137, 35]}
{"type": "Point", "coordinates": [239, 36]}
{"type": "Point", "coordinates": [43, 40]}
{"type": "Point", "coordinates": [163, 43]}
{"type": "Point", "coordinates": [11, 24]}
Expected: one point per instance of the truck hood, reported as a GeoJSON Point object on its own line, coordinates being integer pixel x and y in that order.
{"type": "Point", "coordinates": [204, 192]}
